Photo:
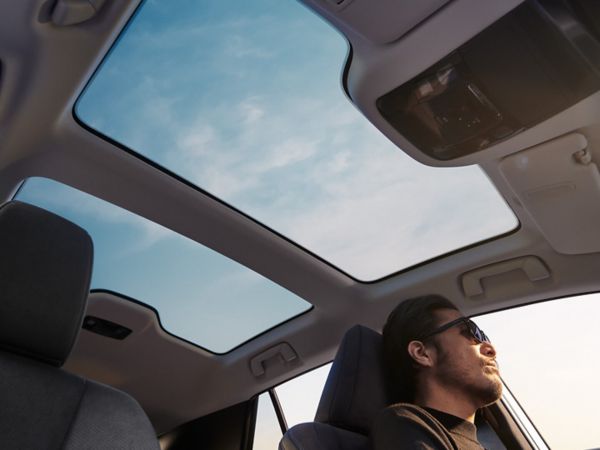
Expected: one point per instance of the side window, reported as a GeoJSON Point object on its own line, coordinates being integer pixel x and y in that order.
{"type": "Point", "coordinates": [267, 432]}
{"type": "Point", "coordinates": [548, 356]}
{"type": "Point", "coordinates": [298, 400]}
{"type": "Point", "coordinates": [300, 396]}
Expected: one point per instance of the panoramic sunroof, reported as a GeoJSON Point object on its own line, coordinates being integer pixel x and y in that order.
{"type": "Point", "coordinates": [200, 295]}
{"type": "Point", "coordinates": [243, 99]}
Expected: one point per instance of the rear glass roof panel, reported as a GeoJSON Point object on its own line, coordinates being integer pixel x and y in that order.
{"type": "Point", "coordinates": [200, 295]}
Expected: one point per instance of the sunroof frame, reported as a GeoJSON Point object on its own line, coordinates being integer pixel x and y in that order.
{"type": "Point", "coordinates": [168, 172]}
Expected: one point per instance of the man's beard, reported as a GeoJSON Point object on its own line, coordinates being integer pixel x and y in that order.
{"type": "Point", "coordinates": [482, 389]}
{"type": "Point", "coordinates": [489, 392]}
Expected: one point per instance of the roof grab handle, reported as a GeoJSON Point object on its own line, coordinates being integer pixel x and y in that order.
{"type": "Point", "coordinates": [279, 355]}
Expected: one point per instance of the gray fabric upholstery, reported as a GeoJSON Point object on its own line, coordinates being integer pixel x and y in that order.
{"type": "Point", "coordinates": [38, 403]}
{"type": "Point", "coordinates": [47, 408]}
{"type": "Point", "coordinates": [355, 391]}
{"type": "Point", "coordinates": [109, 419]}
{"type": "Point", "coordinates": [45, 273]}
{"type": "Point", "coordinates": [356, 388]}
{"type": "Point", "coordinates": [313, 436]}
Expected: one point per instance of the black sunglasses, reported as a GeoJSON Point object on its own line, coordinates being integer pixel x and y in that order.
{"type": "Point", "coordinates": [475, 331]}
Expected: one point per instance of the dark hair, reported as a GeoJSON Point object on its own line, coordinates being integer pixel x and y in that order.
{"type": "Point", "coordinates": [410, 319]}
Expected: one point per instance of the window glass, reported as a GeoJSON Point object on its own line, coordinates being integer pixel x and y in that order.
{"type": "Point", "coordinates": [244, 100]}
{"type": "Point", "coordinates": [300, 396]}
{"type": "Point", "coordinates": [522, 420]}
{"type": "Point", "coordinates": [549, 358]}
{"type": "Point", "coordinates": [200, 295]}
{"type": "Point", "coordinates": [267, 432]}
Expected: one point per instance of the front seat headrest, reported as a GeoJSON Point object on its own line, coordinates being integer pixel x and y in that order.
{"type": "Point", "coordinates": [356, 388]}
{"type": "Point", "coordinates": [45, 273]}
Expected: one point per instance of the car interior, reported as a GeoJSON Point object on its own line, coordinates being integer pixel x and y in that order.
{"type": "Point", "coordinates": [500, 100]}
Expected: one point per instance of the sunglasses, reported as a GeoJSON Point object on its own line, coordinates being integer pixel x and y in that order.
{"type": "Point", "coordinates": [475, 331]}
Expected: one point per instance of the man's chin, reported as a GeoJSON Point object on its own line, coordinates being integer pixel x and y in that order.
{"type": "Point", "coordinates": [494, 394]}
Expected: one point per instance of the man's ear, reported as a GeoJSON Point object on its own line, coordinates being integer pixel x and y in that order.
{"type": "Point", "coordinates": [420, 353]}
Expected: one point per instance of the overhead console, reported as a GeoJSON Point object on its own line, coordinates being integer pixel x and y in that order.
{"type": "Point", "coordinates": [536, 61]}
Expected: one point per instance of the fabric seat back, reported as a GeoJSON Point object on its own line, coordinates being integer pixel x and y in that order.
{"type": "Point", "coordinates": [45, 273]}
{"type": "Point", "coordinates": [355, 390]}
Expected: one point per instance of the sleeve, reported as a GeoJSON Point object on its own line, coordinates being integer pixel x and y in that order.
{"type": "Point", "coordinates": [401, 427]}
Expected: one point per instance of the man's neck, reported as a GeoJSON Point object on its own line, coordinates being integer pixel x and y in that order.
{"type": "Point", "coordinates": [446, 401]}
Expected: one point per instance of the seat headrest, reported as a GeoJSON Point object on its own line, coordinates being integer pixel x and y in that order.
{"type": "Point", "coordinates": [356, 388]}
{"type": "Point", "coordinates": [45, 273]}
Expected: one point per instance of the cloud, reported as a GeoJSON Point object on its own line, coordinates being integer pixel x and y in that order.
{"type": "Point", "coordinates": [380, 211]}
{"type": "Point", "coordinates": [270, 132]}
{"type": "Point", "coordinates": [196, 143]}
{"type": "Point", "coordinates": [238, 47]}
{"type": "Point", "coordinates": [284, 154]}
{"type": "Point", "coordinates": [338, 187]}
{"type": "Point", "coordinates": [251, 111]}
{"type": "Point", "coordinates": [371, 231]}
{"type": "Point", "coordinates": [234, 150]}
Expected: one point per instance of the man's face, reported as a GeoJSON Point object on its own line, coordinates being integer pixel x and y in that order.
{"type": "Point", "coordinates": [463, 363]}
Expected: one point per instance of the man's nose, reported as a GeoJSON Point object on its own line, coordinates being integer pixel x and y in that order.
{"type": "Point", "coordinates": [487, 349]}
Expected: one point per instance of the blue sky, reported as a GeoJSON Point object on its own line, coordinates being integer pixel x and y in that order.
{"type": "Point", "coordinates": [244, 100]}
{"type": "Point", "coordinates": [201, 295]}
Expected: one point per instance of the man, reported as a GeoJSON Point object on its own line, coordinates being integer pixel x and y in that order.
{"type": "Point", "coordinates": [448, 370]}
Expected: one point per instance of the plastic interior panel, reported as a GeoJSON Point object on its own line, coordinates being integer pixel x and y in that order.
{"type": "Point", "coordinates": [476, 285]}
{"type": "Point", "coordinates": [387, 22]}
{"type": "Point", "coordinates": [560, 190]}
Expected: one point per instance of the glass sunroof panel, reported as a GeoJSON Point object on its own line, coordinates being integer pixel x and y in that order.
{"type": "Point", "coordinates": [244, 100]}
{"type": "Point", "coordinates": [200, 295]}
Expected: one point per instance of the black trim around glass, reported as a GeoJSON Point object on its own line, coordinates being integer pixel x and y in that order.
{"type": "Point", "coordinates": [278, 410]}
{"type": "Point", "coordinates": [250, 424]}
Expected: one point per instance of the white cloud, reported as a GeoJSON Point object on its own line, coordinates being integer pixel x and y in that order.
{"type": "Point", "coordinates": [358, 201]}
{"type": "Point", "coordinates": [284, 154]}
{"type": "Point", "coordinates": [230, 162]}
{"type": "Point", "coordinates": [251, 111]}
{"type": "Point", "coordinates": [239, 47]}
{"type": "Point", "coordinates": [339, 162]}
{"type": "Point", "coordinates": [196, 143]}
{"type": "Point", "coordinates": [284, 145]}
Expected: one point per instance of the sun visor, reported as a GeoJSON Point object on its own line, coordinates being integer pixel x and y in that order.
{"type": "Point", "coordinates": [558, 183]}
{"type": "Point", "coordinates": [380, 24]}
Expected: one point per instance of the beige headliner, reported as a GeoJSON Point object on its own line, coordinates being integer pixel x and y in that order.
{"type": "Point", "coordinates": [44, 68]}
